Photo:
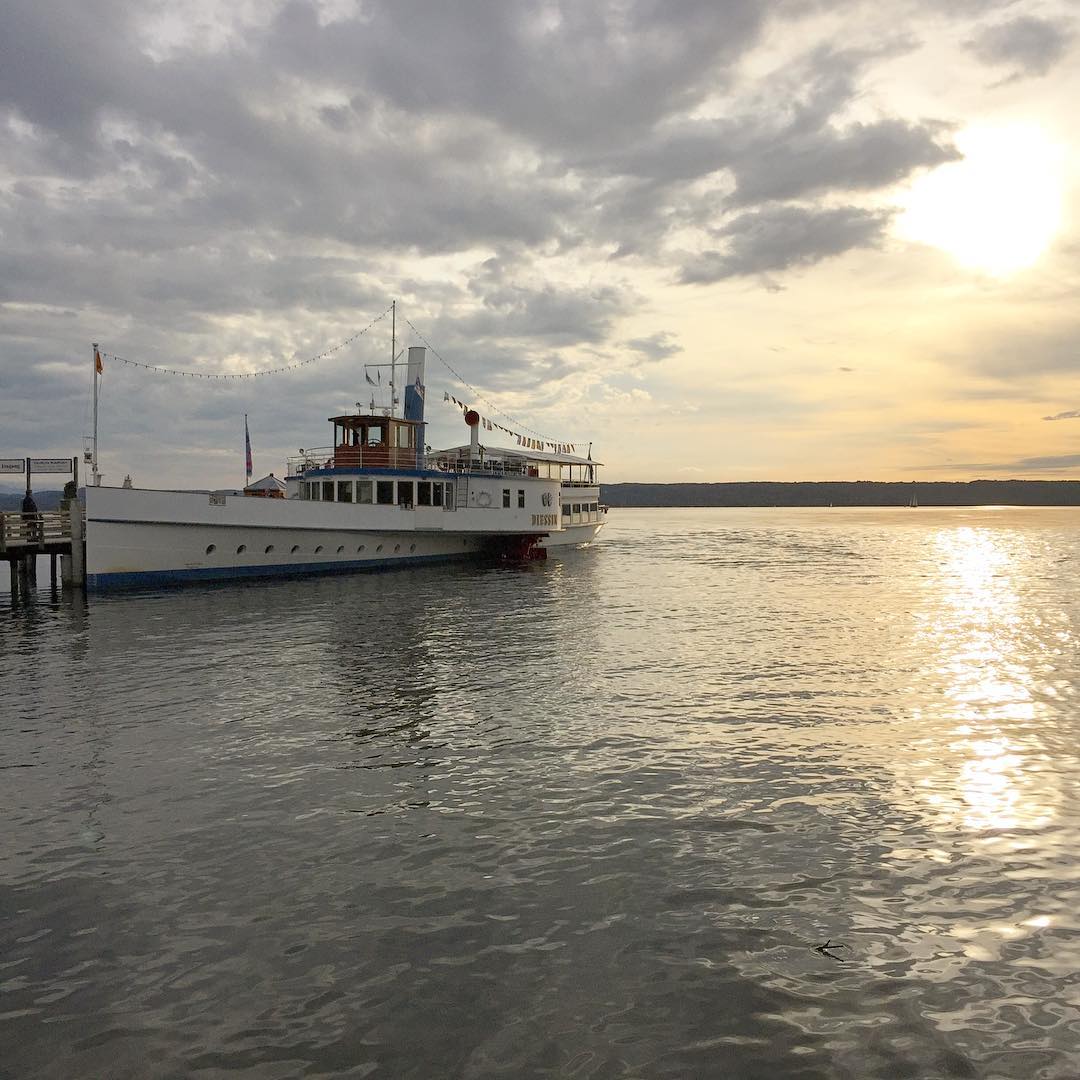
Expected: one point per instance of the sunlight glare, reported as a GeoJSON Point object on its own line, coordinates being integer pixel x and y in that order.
{"type": "Point", "coordinates": [996, 210]}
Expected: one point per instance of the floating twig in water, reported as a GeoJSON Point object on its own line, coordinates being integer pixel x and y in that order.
{"type": "Point", "coordinates": [830, 944]}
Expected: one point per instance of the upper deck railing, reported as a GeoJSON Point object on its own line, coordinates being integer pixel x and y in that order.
{"type": "Point", "coordinates": [392, 457]}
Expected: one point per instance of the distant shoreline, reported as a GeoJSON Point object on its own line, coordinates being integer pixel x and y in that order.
{"type": "Point", "coordinates": [847, 493]}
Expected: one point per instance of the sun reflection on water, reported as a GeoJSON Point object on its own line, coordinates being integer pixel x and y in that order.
{"type": "Point", "coordinates": [979, 768]}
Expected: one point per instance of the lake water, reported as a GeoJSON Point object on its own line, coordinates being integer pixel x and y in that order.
{"type": "Point", "coordinates": [583, 818]}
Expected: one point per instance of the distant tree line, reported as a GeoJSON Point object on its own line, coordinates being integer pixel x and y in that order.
{"type": "Point", "coordinates": [848, 493]}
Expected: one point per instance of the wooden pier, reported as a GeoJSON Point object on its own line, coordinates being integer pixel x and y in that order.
{"type": "Point", "coordinates": [56, 533]}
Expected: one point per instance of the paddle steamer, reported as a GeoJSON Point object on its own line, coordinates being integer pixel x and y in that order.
{"type": "Point", "coordinates": [373, 499]}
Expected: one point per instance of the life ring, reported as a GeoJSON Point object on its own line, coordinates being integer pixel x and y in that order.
{"type": "Point", "coordinates": [483, 499]}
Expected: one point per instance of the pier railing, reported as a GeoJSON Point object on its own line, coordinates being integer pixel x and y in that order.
{"type": "Point", "coordinates": [43, 529]}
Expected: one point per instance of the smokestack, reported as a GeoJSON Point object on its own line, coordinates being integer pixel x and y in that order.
{"type": "Point", "coordinates": [414, 398]}
{"type": "Point", "coordinates": [472, 418]}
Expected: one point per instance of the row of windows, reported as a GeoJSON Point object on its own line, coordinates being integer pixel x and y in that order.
{"type": "Point", "coordinates": [380, 492]}
{"type": "Point", "coordinates": [295, 549]}
{"type": "Point", "coordinates": [506, 498]}
{"type": "Point", "coordinates": [580, 508]}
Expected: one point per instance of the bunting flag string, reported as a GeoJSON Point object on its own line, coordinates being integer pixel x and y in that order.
{"type": "Point", "coordinates": [536, 439]}
{"type": "Point", "coordinates": [249, 374]}
{"type": "Point", "coordinates": [522, 440]}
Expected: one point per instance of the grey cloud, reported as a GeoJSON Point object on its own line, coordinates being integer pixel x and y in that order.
{"type": "Point", "coordinates": [655, 347]}
{"type": "Point", "coordinates": [781, 237]}
{"type": "Point", "coordinates": [1027, 43]}
{"type": "Point", "coordinates": [1072, 414]}
{"type": "Point", "coordinates": [1051, 463]}
{"type": "Point", "coordinates": [563, 74]}
{"type": "Point", "coordinates": [859, 157]}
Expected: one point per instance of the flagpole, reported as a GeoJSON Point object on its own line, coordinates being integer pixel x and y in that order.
{"type": "Point", "coordinates": [393, 350]}
{"type": "Point", "coordinates": [96, 376]}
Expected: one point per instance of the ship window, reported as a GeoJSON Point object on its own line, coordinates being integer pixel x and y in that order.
{"type": "Point", "coordinates": [566, 509]}
{"type": "Point", "coordinates": [405, 493]}
{"type": "Point", "coordinates": [436, 494]}
{"type": "Point", "coordinates": [449, 497]}
{"type": "Point", "coordinates": [341, 548]}
{"type": "Point", "coordinates": [241, 549]}
{"type": "Point", "coordinates": [269, 548]}
{"type": "Point", "coordinates": [294, 549]}
{"type": "Point", "coordinates": [384, 492]}
{"type": "Point", "coordinates": [404, 434]}
{"type": "Point", "coordinates": [313, 491]}
{"type": "Point", "coordinates": [423, 493]}
{"type": "Point", "coordinates": [577, 508]}
{"type": "Point", "coordinates": [374, 435]}
{"type": "Point", "coordinates": [363, 491]}
{"type": "Point", "coordinates": [328, 491]}
{"type": "Point", "coordinates": [359, 549]}
{"type": "Point", "coordinates": [318, 549]}
{"type": "Point", "coordinates": [412, 547]}
{"type": "Point", "coordinates": [378, 547]}
{"type": "Point", "coordinates": [521, 498]}
{"type": "Point", "coordinates": [211, 548]}
{"type": "Point", "coordinates": [506, 497]}
{"type": "Point", "coordinates": [344, 491]}
{"type": "Point", "coordinates": [397, 547]}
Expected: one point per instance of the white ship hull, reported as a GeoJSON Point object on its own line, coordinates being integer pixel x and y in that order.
{"type": "Point", "coordinates": [572, 536]}
{"type": "Point", "coordinates": [138, 537]}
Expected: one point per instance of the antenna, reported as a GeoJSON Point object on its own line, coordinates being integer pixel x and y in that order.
{"type": "Point", "coordinates": [393, 352]}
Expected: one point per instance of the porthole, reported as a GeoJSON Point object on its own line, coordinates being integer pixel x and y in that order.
{"type": "Point", "coordinates": [378, 547]}
{"type": "Point", "coordinates": [269, 548]}
{"type": "Point", "coordinates": [211, 548]}
{"type": "Point", "coordinates": [397, 548]}
{"type": "Point", "coordinates": [295, 548]}
{"type": "Point", "coordinates": [241, 549]}
{"type": "Point", "coordinates": [318, 549]}
{"type": "Point", "coordinates": [341, 548]}
{"type": "Point", "coordinates": [412, 547]}
{"type": "Point", "coordinates": [359, 549]}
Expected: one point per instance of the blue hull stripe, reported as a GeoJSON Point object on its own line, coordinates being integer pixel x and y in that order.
{"type": "Point", "coordinates": [141, 578]}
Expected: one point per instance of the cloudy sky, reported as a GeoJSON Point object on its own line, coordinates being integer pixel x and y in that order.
{"type": "Point", "coordinates": [720, 239]}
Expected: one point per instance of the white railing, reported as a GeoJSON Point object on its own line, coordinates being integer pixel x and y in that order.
{"type": "Point", "coordinates": [323, 457]}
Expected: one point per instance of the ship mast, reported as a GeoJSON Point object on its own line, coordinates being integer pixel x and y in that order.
{"type": "Point", "coordinates": [96, 374]}
{"type": "Point", "coordinates": [393, 351]}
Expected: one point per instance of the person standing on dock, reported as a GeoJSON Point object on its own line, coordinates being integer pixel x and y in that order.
{"type": "Point", "coordinates": [31, 518]}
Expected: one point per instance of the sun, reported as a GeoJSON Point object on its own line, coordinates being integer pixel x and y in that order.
{"type": "Point", "coordinates": [997, 209]}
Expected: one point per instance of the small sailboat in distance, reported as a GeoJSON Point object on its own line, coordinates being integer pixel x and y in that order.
{"type": "Point", "coordinates": [914, 504]}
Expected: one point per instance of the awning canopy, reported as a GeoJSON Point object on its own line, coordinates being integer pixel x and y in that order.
{"type": "Point", "coordinates": [520, 454]}
{"type": "Point", "coordinates": [267, 483]}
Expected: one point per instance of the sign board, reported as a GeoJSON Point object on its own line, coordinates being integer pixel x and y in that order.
{"type": "Point", "coordinates": [50, 464]}
{"type": "Point", "coordinates": [12, 465]}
